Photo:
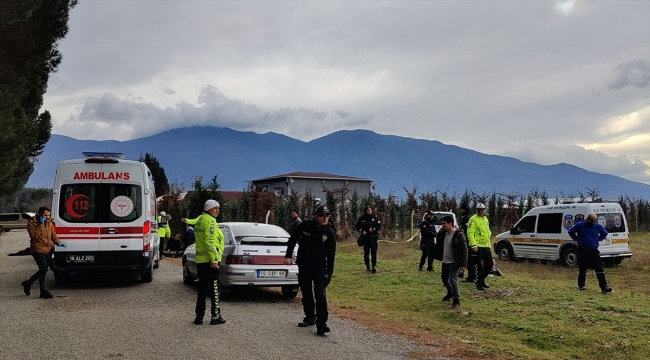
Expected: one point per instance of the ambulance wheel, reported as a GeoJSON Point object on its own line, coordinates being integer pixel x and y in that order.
{"type": "Point", "coordinates": [61, 277]}
{"type": "Point", "coordinates": [505, 252]}
{"type": "Point", "coordinates": [570, 257]}
{"type": "Point", "coordinates": [147, 275]}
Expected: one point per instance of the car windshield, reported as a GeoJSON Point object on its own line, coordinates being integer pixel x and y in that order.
{"type": "Point", "coordinates": [255, 234]}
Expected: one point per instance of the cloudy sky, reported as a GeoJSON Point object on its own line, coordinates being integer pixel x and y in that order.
{"type": "Point", "coordinates": [541, 81]}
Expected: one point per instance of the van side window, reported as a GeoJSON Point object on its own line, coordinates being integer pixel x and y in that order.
{"type": "Point", "coordinates": [550, 223]}
{"type": "Point", "coordinates": [527, 224]}
{"type": "Point", "coordinates": [25, 216]}
{"type": "Point", "coordinates": [615, 223]}
{"type": "Point", "coordinates": [9, 217]}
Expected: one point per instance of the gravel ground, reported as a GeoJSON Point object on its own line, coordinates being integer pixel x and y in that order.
{"type": "Point", "coordinates": [108, 317]}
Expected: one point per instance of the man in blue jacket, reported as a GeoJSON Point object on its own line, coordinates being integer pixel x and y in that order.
{"type": "Point", "coordinates": [588, 233]}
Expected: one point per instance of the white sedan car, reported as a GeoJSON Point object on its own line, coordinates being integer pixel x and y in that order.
{"type": "Point", "coordinates": [253, 256]}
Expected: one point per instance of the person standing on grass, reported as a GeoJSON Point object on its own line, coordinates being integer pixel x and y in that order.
{"type": "Point", "coordinates": [316, 241]}
{"type": "Point", "coordinates": [479, 235]}
{"type": "Point", "coordinates": [368, 225]}
{"type": "Point", "coordinates": [427, 241]}
{"type": "Point", "coordinates": [588, 233]}
{"type": "Point", "coordinates": [471, 256]}
{"type": "Point", "coordinates": [451, 249]}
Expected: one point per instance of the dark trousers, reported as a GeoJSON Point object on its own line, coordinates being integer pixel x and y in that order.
{"type": "Point", "coordinates": [309, 276]}
{"type": "Point", "coordinates": [471, 265]}
{"type": "Point", "coordinates": [163, 246]}
{"type": "Point", "coordinates": [370, 251]}
{"type": "Point", "coordinates": [484, 264]}
{"type": "Point", "coordinates": [43, 261]}
{"type": "Point", "coordinates": [427, 255]}
{"type": "Point", "coordinates": [590, 258]}
{"type": "Point", "coordinates": [450, 280]}
{"type": "Point", "coordinates": [208, 285]}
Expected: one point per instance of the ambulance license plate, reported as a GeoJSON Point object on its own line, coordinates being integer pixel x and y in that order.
{"type": "Point", "coordinates": [81, 258]}
{"type": "Point", "coordinates": [271, 273]}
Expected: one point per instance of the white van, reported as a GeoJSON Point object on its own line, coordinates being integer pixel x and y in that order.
{"type": "Point", "coordinates": [543, 234]}
{"type": "Point", "coordinates": [104, 210]}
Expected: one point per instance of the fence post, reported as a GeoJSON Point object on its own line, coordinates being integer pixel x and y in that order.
{"type": "Point", "coordinates": [412, 216]}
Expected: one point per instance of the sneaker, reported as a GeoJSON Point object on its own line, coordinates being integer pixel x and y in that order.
{"type": "Point", "coordinates": [455, 305]}
{"type": "Point", "coordinates": [27, 287]}
{"type": "Point", "coordinates": [468, 280]}
{"type": "Point", "coordinates": [322, 330]}
{"type": "Point", "coordinates": [486, 286]}
{"type": "Point", "coordinates": [198, 321]}
{"type": "Point", "coordinates": [480, 288]}
{"type": "Point", "coordinates": [607, 290]}
{"type": "Point", "coordinates": [446, 298]}
{"type": "Point", "coordinates": [306, 322]}
{"type": "Point", "coordinates": [373, 271]}
{"type": "Point", "coordinates": [498, 272]}
{"type": "Point", "coordinates": [581, 287]}
{"type": "Point", "coordinates": [430, 269]}
{"type": "Point", "coordinates": [368, 269]}
{"type": "Point", "coordinates": [420, 269]}
{"type": "Point", "coordinates": [461, 274]}
{"type": "Point", "coordinates": [46, 295]}
{"type": "Point", "coordinates": [217, 320]}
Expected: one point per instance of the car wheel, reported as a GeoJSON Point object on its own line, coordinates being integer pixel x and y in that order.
{"type": "Point", "coordinates": [289, 292]}
{"type": "Point", "coordinates": [570, 257]}
{"type": "Point", "coordinates": [505, 252]}
{"type": "Point", "coordinates": [187, 276]}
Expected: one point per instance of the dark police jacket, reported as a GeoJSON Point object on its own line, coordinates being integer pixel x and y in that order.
{"type": "Point", "coordinates": [458, 245]}
{"type": "Point", "coordinates": [365, 223]}
{"type": "Point", "coordinates": [316, 246]}
{"type": "Point", "coordinates": [428, 232]}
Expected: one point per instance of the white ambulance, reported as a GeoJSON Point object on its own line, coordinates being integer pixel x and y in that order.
{"type": "Point", "coordinates": [104, 210]}
{"type": "Point", "coordinates": [543, 234]}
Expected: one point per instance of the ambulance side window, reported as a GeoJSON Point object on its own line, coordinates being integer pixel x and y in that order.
{"type": "Point", "coordinates": [615, 223]}
{"type": "Point", "coordinates": [77, 203]}
{"type": "Point", "coordinates": [527, 224]}
{"type": "Point", "coordinates": [550, 223]}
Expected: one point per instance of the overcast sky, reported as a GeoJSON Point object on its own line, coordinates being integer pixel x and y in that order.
{"type": "Point", "coordinates": [541, 81]}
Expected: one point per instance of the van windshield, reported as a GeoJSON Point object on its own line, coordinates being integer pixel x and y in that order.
{"type": "Point", "coordinates": [100, 203]}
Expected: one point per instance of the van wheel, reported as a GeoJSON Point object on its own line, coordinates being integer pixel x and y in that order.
{"type": "Point", "coordinates": [289, 292]}
{"type": "Point", "coordinates": [570, 257]}
{"type": "Point", "coordinates": [147, 275]}
{"type": "Point", "coordinates": [505, 252]}
{"type": "Point", "coordinates": [61, 278]}
{"type": "Point", "coordinates": [187, 276]}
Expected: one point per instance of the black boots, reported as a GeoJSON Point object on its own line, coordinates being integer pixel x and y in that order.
{"type": "Point", "coordinates": [322, 330]}
{"type": "Point", "coordinates": [27, 287]}
{"type": "Point", "coordinates": [217, 320]}
{"type": "Point", "coordinates": [455, 304]}
{"type": "Point", "coordinates": [307, 321]}
{"type": "Point", "coordinates": [46, 294]}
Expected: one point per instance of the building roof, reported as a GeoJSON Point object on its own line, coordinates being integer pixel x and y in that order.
{"type": "Point", "coordinates": [312, 175]}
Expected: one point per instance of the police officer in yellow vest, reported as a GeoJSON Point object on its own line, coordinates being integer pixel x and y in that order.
{"type": "Point", "coordinates": [164, 232]}
{"type": "Point", "coordinates": [209, 249]}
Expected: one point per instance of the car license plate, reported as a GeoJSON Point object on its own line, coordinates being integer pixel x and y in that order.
{"type": "Point", "coordinates": [271, 273]}
{"type": "Point", "coordinates": [81, 258]}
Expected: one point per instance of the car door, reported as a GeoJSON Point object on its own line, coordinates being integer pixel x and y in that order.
{"type": "Point", "coordinates": [524, 238]}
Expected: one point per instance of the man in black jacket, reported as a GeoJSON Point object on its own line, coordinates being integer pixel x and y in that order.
{"type": "Point", "coordinates": [471, 256]}
{"type": "Point", "coordinates": [451, 249]}
{"type": "Point", "coordinates": [427, 240]}
{"type": "Point", "coordinates": [316, 241]}
{"type": "Point", "coordinates": [295, 220]}
{"type": "Point", "coordinates": [368, 225]}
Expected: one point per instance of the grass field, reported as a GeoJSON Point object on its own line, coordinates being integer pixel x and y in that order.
{"type": "Point", "coordinates": [533, 311]}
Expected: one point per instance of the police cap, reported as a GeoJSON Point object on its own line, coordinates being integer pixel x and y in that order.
{"type": "Point", "coordinates": [322, 210]}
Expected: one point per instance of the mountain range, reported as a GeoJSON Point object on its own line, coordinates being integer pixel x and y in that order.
{"type": "Point", "coordinates": [393, 162]}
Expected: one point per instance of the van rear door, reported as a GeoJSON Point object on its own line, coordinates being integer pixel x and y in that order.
{"type": "Point", "coordinates": [617, 242]}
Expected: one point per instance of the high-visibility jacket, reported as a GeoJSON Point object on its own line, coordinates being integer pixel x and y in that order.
{"type": "Point", "coordinates": [163, 230]}
{"type": "Point", "coordinates": [478, 232]}
{"type": "Point", "coordinates": [209, 239]}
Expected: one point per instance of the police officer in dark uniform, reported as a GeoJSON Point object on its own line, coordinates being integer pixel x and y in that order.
{"type": "Point", "coordinates": [315, 260]}
{"type": "Point", "coordinates": [471, 256]}
{"type": "Point", "coordinates": [368, 225]}
{"type": "Point", "coordinates": [427, 241]}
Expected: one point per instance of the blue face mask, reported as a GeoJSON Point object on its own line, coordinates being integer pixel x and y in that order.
{"type": "Point", "coordinates": [42, 219]}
